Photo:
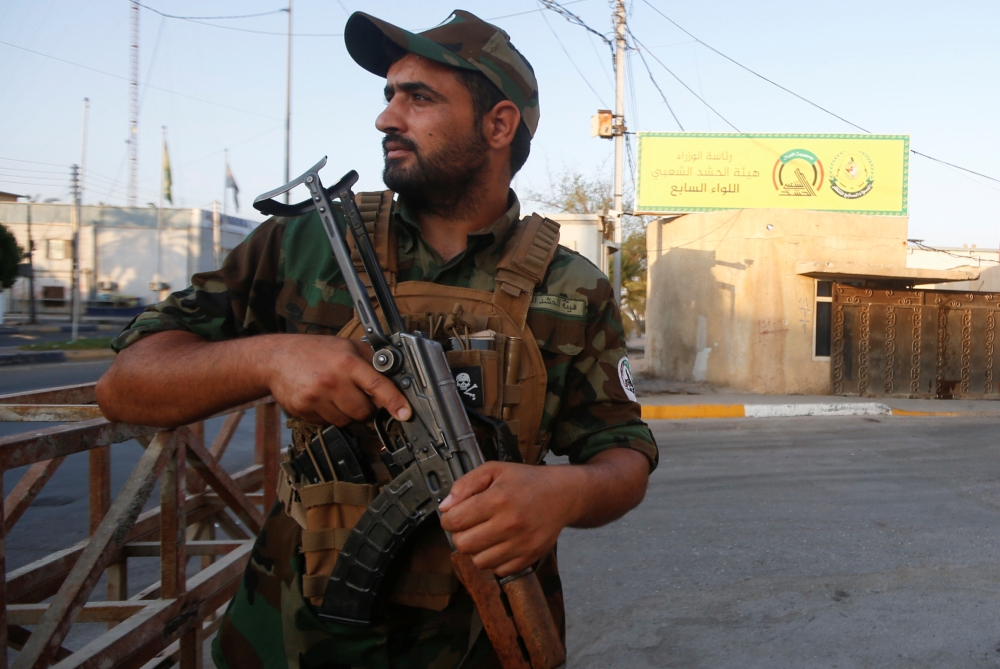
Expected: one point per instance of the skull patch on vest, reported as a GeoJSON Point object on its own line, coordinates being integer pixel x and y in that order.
{"type": "Point", "coordinates": [470, 385]}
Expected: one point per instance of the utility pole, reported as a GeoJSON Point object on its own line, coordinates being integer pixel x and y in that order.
{"type": "Point", "coordinates": [619, 133]}
{"type": "Point", "coordinates": [83, 171]}
{"type": "Point", "coordinates": [75, 280]}
{"type": "Point", "coordinates": [158, 281]}
{"type": "Point", "coordinates": [31, 268]}
{"type": "Point", "coordinates": [288, 101]}
{"type": "Point", "coordinates": [133, 122]}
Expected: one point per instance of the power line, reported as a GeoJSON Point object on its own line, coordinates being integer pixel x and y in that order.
{"type": "Point", "coordinates": [653, 56]}
{"type": "Point", "coordinates": [118, 76]}
{"type": "Point", "coordinates": [559, 9]}
{"type": "Point", "coordinates": [806, 100]}
{"type": "Point", "coordinates": [211, 18]}
{"type": "Point", "coordinates": [660, 90]}
{"type": "Point", "coordinates": [530, 11]}
{"type": "Point", "coordinates": [756, 74]}
{"type": "Point", "coordinates": [34, 162]}
{"type": "Point", "coordinates": [572, 62]}
{"type": "Point", "coordinates": [198, 20]}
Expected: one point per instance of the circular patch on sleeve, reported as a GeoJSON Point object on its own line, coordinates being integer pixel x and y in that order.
{"type": "Point", "coordinates": [625, 376]}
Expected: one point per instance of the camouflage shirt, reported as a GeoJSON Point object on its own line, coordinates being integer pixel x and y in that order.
{"type": "Point", "coordinates": [283, 279]}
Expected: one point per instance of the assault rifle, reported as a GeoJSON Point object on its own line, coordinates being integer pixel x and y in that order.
{"type": "Point", "coordinates": [431, 451]}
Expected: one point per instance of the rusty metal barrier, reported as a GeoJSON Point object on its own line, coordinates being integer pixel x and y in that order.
{"type": "Point", "coordinates": [168, 622]}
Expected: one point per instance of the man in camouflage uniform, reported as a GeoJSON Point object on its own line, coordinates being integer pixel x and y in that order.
{"type": "Point", "coordinates": [462, 105]}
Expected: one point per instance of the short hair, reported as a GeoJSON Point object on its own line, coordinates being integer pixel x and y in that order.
{"type": "Point", "coordinates": [486, 96]}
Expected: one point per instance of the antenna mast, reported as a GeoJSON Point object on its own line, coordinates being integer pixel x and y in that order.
{"type": "Point", "coordinates": [133, 122]}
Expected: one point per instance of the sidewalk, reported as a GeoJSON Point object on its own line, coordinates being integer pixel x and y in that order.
{"type": "Point", "coordinates": [734, 405]}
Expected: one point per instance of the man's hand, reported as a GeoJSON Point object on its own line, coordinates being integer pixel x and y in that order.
{"type": "Point", "coordinates": [175, 377]}
{"type": "Point", "coordinates": [507, 516]}
{"type": "Point", "coordinates": [331, 380]}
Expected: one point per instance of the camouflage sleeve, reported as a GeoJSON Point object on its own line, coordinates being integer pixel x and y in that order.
{"type": "Point", "coordinates": [596, 413]}
{"type": "Point", "coordinates": [237, 300]}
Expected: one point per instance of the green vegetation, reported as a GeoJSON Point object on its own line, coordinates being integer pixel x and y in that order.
{"type": "Point", "coordinates": [11, 255]}
{"type": "Point", "coordinates": [78, 345]}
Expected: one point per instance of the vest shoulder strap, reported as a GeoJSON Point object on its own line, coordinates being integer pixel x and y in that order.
{"type": "Point", "coordinates": [376, 212]}
{"type": "Point", "coordinates": [523, 265]}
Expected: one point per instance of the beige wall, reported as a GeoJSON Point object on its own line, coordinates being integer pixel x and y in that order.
{"type": "Point", "coordinates": [724, 303]}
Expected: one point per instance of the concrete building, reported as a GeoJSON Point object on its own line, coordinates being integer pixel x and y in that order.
{"type": "Point", "coordinates": [118, 250]}
{"type": "Point", "coordinates": [986, 261]}
{"type": "Point", "coordinates": [586, 234]}
{"type": "Point", "coordinates": [742, 298]}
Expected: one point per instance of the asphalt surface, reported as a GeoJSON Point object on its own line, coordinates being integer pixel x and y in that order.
{"type": "Point", "coordinates": [798, 542]}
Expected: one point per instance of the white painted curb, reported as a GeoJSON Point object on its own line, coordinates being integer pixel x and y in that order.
{"type": "Point", "coordinates": [834, 409]}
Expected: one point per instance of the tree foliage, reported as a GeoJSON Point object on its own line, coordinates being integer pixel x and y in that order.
{"type": "Point", "coordinates": [11, 255]}
{"type": "Point", "coordinates": [575, 193]}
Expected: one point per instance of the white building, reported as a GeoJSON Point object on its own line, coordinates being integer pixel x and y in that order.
{"type": "Point", "coordinates": [121, 249]}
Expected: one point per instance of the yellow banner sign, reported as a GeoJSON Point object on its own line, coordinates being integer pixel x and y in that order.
{"type": "Point", "coordinates": [859, 174]}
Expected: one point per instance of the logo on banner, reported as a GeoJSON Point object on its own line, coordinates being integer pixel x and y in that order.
{"type": "Point", "coordinates": [798, 173]}
{"type": "Point", "coordinates": [852, 174]}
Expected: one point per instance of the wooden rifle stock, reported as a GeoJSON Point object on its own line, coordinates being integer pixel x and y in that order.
{"type": "Point", "coordinates": [523, 636]}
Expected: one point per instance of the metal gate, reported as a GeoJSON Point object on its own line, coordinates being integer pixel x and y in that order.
{"type": "Point", "coordinates": [914, 343]}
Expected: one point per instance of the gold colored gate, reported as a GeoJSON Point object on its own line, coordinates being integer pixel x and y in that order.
{"type": "Point", "coordinates": [914, 343]}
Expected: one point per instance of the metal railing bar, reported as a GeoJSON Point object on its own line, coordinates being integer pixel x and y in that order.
{"type": "Point", "coordinates": [220, 481]}
{"type": "Point", "coordinates": [17, 636]}
{"type": "Point", "coordinates": [49, 571]}
{"type": "Point", "coordinates": [231, 527]}
{"type": "Point", "coordinates": [80, 582]}
{"type": "Point", "coordinates": [53, 442]}
{"type": "Point", "coordinates": [136, 549]}
{"type": "Point", "coordinates": [92, 612]}
{"type": "Point", "coordinates": [82, 393]}
{"type": "Point", "coordinates": [25, 490]}
{"type": "Point", "coordinates": [48, 413]}
{"type": "Point", "coordinates": [208, 591]}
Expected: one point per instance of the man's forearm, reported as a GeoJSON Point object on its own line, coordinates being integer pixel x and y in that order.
{"type": "Point", "coordinates": [611, 484]}
{"type": "Point", "coordinates": [175, 377]}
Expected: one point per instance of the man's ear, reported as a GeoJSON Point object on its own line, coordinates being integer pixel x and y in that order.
{"type": "Point", "coordinates": [500, 124]}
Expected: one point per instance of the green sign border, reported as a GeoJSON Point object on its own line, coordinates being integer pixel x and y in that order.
{"type": "Point", "coordinates": [684, 210]}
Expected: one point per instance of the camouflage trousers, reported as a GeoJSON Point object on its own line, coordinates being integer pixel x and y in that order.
{"type": "Point", "coordinates": [270, 625]}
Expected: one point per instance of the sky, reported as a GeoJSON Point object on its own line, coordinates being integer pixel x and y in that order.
{"type": "Point", "coordinates": [893, 67]}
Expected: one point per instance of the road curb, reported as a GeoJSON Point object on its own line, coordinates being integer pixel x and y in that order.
{"type": "Point", "coordinates": [48, 357]}
{"type": "Point", "coordinates": [695, 411]}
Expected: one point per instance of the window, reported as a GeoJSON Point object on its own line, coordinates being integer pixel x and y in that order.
{"type": "Point", "coordinates": [823, 322]}
{"type": "Point", "coordinates": [58, 249]}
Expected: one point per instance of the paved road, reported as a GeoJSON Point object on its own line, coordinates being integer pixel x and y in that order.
{"type": "Point", "coordinates": [799, 542]}
{"type": "Point", "coordinates": [802, 542]}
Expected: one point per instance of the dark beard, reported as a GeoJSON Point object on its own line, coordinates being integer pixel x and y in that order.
{"type": "Point", "coordinates": [443, 183]}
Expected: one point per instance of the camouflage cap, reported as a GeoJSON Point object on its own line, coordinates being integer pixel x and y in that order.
{"type": "Point", "coordinates": [464, 41]}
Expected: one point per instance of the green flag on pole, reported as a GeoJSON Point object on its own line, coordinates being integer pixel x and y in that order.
{"type": "Point", "coordinates": [167, 195]}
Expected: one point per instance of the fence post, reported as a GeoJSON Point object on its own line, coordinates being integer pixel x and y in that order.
{"type": "Point", "coordinates": [3, 582]}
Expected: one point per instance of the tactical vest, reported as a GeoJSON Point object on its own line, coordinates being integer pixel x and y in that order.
{"type": "Point", "coordinates": [496, 352]}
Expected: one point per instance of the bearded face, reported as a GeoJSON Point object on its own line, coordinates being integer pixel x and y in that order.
{"type": "Point", "coordinates": [438, 178]}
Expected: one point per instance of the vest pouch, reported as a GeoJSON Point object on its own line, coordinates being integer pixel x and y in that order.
{"type": "Point", "coordinates": [479, 377]}
{"type": "Point", "coordinates": [331, 510]}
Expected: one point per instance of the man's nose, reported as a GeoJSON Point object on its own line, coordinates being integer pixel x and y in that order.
{"type": "Point", "coordinates": [390, 120]}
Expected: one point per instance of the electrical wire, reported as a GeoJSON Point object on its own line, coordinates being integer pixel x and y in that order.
{"type": "Point", "coordinates": [559, 9]}
{"type": "Point", "coordinates": [659, 90]}
{"type": "Point", "coordinates": [806, 100]}
{"type": "Point", "coordinates": [198, 20]}
{"type": "Point", "coordinates": [653, 56]}
{"type": "Point", "coordinates": [157, 88]}
{"type": "Point", "coordinates": [530, 11]}
{"type": "Point", "coordinates": [33, 162]}
{"type": "Point", "coordinates": [572, 62]}
{"type": "Point", "coordinates": [212, 18]}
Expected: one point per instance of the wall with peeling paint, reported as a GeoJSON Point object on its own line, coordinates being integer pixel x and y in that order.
{"type": "Point", "coordinates": [725, 305]}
